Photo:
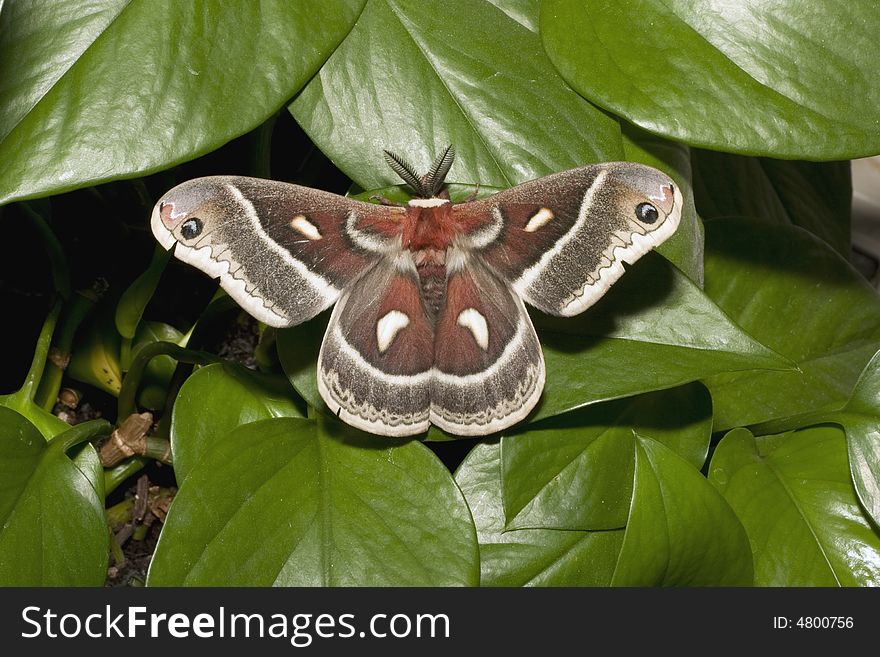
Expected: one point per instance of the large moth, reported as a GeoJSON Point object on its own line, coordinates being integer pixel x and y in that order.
{"type": "Point", "coordinates": [430, 324]}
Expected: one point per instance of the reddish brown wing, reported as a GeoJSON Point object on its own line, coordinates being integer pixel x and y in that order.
{"type": "Point", "coordinates": [560, 241]}
{"type": "Point", "coordinates": [375, 366]}
{"type": "Point", "coordinates": [489, 369]}
{"type": "Point", "coordinates": [284, 252]}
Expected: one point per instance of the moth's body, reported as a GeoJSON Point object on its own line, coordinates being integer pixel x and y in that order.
{"type": "Point", "coordinates": [429, 324]}
{"type": "Point", "coordinates": [428, 232]}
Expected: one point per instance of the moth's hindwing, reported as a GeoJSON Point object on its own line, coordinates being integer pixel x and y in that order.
{"type": "Point", "coordinates": [561, 240]}
{"type": "Point", "coordinates": [375, 365]}
{"type": "Point", "coordinates": [489, 368]}
{"type": "Point", "coordinates": [283, 252]}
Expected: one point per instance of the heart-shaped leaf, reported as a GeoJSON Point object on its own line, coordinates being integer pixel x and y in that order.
{"type": "Point", "coordinates": [302, 502]}
{"type": "Point", "coordinates": [654, 329]}
{"type": "Point", "coordinates": [577, 473]}
{"type": "Point", "coordinates": [52, 526]}
{"type": "Point", "coordinates": [679, 527]}
{"type": "Point", "coordinates": [860, 418]}
{"type": "Point", "coordinates": [793, 293]}
{"type": "Point", "coordinates": [474, 77]}
{"type": "Point", "coordinates": [215, 400]}
{"type": "Point", "coordinates": [793, 494]}
{"type": "Point", "coordinates": [529, 557]}
{"type": "Point", "coordinates": [144, 85]}
{"type": "Point", "coordinates": [680, 531]}
{"type": "Point", "coordinates": [774, 79]}
{"type": "Point", "coordinates": [813, 195]}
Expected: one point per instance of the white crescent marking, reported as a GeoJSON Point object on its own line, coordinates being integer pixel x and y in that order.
{"type": "Point", "coordinates": [305, 227]}
{"type": "Point", "coordinates": [471, 319]}
{"type": "Point", "coordinates": [539, 219]}
{"type": "Point", "coordinates": [321, 285]}
{"type": "Point", "coordinates": [388, 327]}
{"type": "Point", "coordinates": [530, 275]}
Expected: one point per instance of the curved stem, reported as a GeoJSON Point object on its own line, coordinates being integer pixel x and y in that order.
{"type": "Point", "coordinates": [41, 353]}
{"type": "Point", "coordinates": [114, 476]}
{"type": "Point", "coordinates": [79, 307]}
{"type": "Point", "coordinates": [60, 268]}
{"type": "Point", "coordinates": [126, 402]}
{"type": "Point", "coordinates": [80, 434]}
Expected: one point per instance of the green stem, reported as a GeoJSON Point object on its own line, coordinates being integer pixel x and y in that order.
{"type": "Point", "coordinates": [158, 449]}
{"type": "Point", "coordinates": [115, 549]}
{"type": "Point", "coordinates": [41, 353]}
{"type": "Point", "coordinates": [80, 433]}
{"type": "Point", "coordinates": [126, 401]}
{"type": "Point", "coordinates": [114, 476]}
{"type": "Point", "coordinates": [81, 304]}
{"type": "Point", "coordinates": [120, 513]}
{"type": "Point", "coordinates": [60, 268]}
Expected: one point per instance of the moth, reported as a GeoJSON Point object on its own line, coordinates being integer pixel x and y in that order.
{"type": "Point", "coordinates": [430, 324]}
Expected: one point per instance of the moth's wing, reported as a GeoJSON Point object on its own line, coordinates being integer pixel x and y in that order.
{"type": "Point", "coordinates": [282, 251]}
{"type": "Point", "coordinates": [375, 365]}
{"type": "Point", "coordinates": [561, 240]}
{"type": "Point", "coordinates": [488, 364]}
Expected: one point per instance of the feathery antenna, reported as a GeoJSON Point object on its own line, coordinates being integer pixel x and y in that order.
{"type": "Point", "coordinates": [429, 185]}
{"type": "Point", "coordinates": [435, 177]}
{"type": "Point", "coordinates": [404, 169]}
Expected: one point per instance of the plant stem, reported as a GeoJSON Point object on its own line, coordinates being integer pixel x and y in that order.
{"type": "Point", "coordinates": [126, 402]}
{"type": "Point", "coordinates": [80, 434]}
{"type": "Point", "coordinates": [114, 476]}
{"type": "Point", "coordinates": [41, 353]}
{"type": "Point", "coordinates": [60, 268]}
{"type": "Point", "coordinates": [81, 304]}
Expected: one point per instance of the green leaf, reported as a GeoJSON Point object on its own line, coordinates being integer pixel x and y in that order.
{"type": "Point", "coordinates": [52, 526]}
{"type": "Point", "coordinates": [298, 349]}
{"type": "Point", "coordinates": [577, 473]}
{"type": "Point", "coordinates": [295, 502]}
{"type": "Point", "coordinates": [793, 494]}
{"type": "Point", "coordinates": [158, 373]}
{"type": "Point", "coordinates": [477, 78]}
{"type": "Point", "coordinates": [95, 356]}
{"type": "Point", "coordinates": [860, 419]}
{"type": "Point", "coordinates": [134, 300]}
{"type": "Point", "coordinates": [654, 329]}
{"type": "Point", "coordinates": [215, 400]}
{"type": "Point", "coordinates": [786, 80]}
{"type": "Point", "coordinates": [791, 292]}
{"type": "Point", "coordinates": [680, 531]}
{"type": "Point", "coordinates": [529, 557]}
{"type": "Point", "coordinates": [813, 195]}
{"type": "Point", "coordinates": [144, 85]}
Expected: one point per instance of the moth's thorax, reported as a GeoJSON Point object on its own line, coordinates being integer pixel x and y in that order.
{"type": "Point", "coordinates": [428, 224]}
{"type": "Point", "coordinates": [428, 233]}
